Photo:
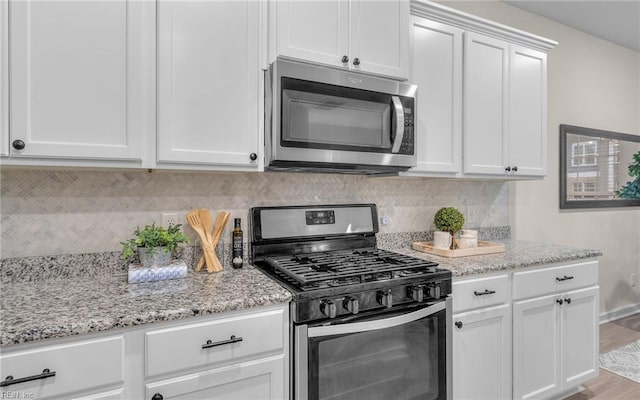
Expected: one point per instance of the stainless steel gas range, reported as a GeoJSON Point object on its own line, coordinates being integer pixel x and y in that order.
{"type": "Point", "coordinates": [366, 323]}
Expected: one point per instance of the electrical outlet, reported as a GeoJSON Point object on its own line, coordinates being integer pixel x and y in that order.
{"type": "Point", "coordinates": [384, 220]}
{"type": "Point", "coordinates": [634, 280]}
{"type": "Point", "coordinates": [169, 219]}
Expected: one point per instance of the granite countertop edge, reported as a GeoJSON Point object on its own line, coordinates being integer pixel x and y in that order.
{"type": "Point", "coordinates": [58, 308]}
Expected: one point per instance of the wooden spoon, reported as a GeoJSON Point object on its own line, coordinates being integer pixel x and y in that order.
{"type": "Point", "coordinates": [218, 228]}
{"type": "Point", "coordinates": [193, 219]}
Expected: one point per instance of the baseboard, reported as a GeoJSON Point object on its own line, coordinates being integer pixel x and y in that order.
{"type": "Point", "coordinates": [619, 313]}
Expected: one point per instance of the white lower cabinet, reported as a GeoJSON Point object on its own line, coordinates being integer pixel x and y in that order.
{"type": "Point", "coordinates": [261, 379]}
{"type": "Point", "coordinates": [555, 334]}
{"type": "Point", "coordinates": [231, 356]}
{"type": "Point", "coordinates": [482, 354]}
{"type": "Point", "coordinates": [529, 334]}
{"type": "Point", "coordinates": [482, 338]}
{"type": "Point", "coordinates": [66, 370]}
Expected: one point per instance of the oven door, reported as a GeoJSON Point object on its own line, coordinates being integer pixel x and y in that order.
{"type": "Point", "coordinates": [398, 356]}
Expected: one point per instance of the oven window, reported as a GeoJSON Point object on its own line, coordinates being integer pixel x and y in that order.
{"type": "Point", "coordinates": [401, 363]}
{"type": "Point", "coordinates": [333, 117]}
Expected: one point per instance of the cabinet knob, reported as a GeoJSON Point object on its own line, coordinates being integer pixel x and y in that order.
{"type": "Point", "coordinates": [18, 144]}
{"type": "Point", "coordinates": [515, 168]}
{"type": "Point", "coordinates": [559, 301]}
{"type": "Point", "coordinates": [567, 300]}
{"type": "Point", "coordinates": [356, 61]}
{"type": "Point", "coordinates": [459, 324]}
{"type": "Point", "coordinates": [157, 396]}
{"type": "Point", "coordinates": [345, 59]}
{"type": "Point", "coordinates": [253, 156]}
{"type": "Point", "coordinates": [508, 169]}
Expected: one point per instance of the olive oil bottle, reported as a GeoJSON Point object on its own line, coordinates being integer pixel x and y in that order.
{"type": "Point", "coordinates": [237, 244]}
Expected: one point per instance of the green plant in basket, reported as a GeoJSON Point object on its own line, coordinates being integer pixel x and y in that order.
{"type": "Point", "coordinates": [449, 219]}
{"type": "Point", "coordinates": [153, 239]}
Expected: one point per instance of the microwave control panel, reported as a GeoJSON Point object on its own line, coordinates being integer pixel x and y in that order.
{"type": "Point", "coordinates": [408, 141]}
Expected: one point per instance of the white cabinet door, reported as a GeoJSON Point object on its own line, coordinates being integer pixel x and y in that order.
{"type": "Point", "coordinates": [436, 67]}
{"type": "Point", "coordinates": [485, 104]}
{"type": "Point", "coordinates": [261, 379]}
{"type": "Point", "coordinates": [580, 339]}
{"type": "Point", "coordinates": [362, 35]}
{"type": "Point", "coordinates": [536, 348]}
{"type": "Point", "coordinates": [4, 77]}
{"type": "Point", "coordinates": [208, 83]}
{"type": "Point", "coordinates": [313, 30]}
{"type": "Point", "coordinates": [80, 78]}
{"type": "Point", "coordinates": [527, 111]}
{"type": "Point", "coordinates": [379, 36]}
{"type": "Point", "coordinates": [482, 354]}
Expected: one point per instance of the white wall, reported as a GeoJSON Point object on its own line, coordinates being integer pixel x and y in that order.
{"type": "Point", "coordinates": [596, 84]}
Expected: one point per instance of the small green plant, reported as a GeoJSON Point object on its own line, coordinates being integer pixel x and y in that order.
{"type": "Point", "coordinates": [152, 236]}
{"type": "Point", "coordinates": [449, 219]}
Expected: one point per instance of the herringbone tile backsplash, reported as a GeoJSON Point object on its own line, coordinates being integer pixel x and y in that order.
{"type": "Point", "coordinates": [50, 212]}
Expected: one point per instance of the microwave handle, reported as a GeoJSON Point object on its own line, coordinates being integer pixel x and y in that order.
{"type": "Point", "coordinates": [398, 128]}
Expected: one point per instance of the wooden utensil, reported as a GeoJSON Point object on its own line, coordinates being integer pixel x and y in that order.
{"type": "Point", "coordinates": [193, 218]}
{"type": "Point", "coordinates": [206, 220]}
{"type": "Point", "coordinates": [218, 228]}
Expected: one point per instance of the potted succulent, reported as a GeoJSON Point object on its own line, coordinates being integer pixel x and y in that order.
{"type": "Point", "coordinates": [154, 244]}
{"type": "Point", "coordinates": [449, 219]}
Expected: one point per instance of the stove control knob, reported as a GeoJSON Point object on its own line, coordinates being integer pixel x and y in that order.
{"type": "Point", "coordinates": [385, 298]}
{"type": "Point", "coordinates": [351, 304]}
{"type": "Point", "coordinates": [328, 308]}
{"type": "Point", "coordinates": [434, 290]}
{"type": "Point", "coordinates": [416, 293]}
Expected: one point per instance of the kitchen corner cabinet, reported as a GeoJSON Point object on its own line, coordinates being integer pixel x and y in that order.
{"type": "Point", "coordinates": [482, 338]}
{"type": "Point", "coordinates": [209, 84]}
{"type": "Point", "coordinates": [555, 338]}
{"type": "Point", "coordinates": [81, 80]}
{"type": "Point", "coordinates": [361, 35]}
{"type": "Point", "coordinates": [482, 94]}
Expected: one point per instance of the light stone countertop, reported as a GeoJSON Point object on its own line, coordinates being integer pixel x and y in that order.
{"type": "Point", "coordinates": [55, 308]}
{"type": "Point", "coordinates": [518, 254]}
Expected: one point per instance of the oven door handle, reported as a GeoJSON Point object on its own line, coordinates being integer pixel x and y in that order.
{"type": "Point", "coordinates": [373, 325]}
{"type": "Point", "coordinates": [398, 127]}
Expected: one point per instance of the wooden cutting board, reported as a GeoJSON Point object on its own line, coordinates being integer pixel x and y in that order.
{"type": "Point", "coordinates": [483, 248]}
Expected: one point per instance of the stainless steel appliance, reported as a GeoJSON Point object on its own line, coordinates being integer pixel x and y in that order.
{"type": "Point", "coordinates": [327, 119]}
{"type": "Point", "coordinates": [366, 323]}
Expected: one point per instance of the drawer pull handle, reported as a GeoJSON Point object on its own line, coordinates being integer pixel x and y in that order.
{"type": "Point", "coordinates": [564, 278]}
{"type": "Point", "coordinates": [487, 291]}
{"type": "Point", "coordinates": [232, 339]}
{"type": "Point", "coordinates": [9, 380]}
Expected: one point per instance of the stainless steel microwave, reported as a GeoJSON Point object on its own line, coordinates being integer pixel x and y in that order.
{"type": "Point", "coordinates": [324, 119]}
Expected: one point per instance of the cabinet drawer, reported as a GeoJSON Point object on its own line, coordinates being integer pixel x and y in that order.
{"type": "Point", "coordinates": [481, 292]}
{"type": "Point", "coordinates": [554, 280]}
{"type": "Point", "coordinates": [179, 348]}
{"type": "Point", "coordinates": [77, 367]}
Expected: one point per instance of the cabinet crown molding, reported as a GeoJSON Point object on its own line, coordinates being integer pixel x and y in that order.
{"type": "Point", "coordinates": [469, 22]}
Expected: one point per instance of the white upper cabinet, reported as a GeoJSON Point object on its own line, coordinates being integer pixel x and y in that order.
{"type": "Point", "coordinates": [81, 80]}
{"type": "Point", "coordinates": [485, 104]}
{"type": "Point", "coordinates": [4, 78]}
{"type": "Point", "coordinates": [503, 86]}
{"type": "Point", "coordinates": [209, 84]}
{"type": "Point", "coordinates": [527, 141]}
{"type": "Point", "coordinates": [436, 67]}
{"type": "Point", "coordinates": [362, 35]}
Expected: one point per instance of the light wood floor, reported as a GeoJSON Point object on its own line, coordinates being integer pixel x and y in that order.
{"type": "Point", "coordinates": [609, 386]}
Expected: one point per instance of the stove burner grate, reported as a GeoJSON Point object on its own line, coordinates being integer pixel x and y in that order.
{"type": "Point", "coordinates": [346, 267]}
